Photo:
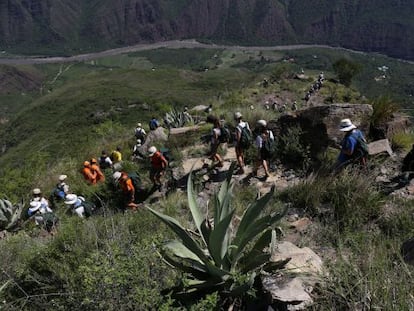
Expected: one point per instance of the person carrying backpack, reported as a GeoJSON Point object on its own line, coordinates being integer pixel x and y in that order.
{"type": "Point", "coordinates": [353, 146]}
{"type": "Point", "coordinates": [216, 135]}
{"type": "Point", "coordinates": [140, 133]}
{"type": "Point", "coordinates": [159, 165]}
{"type": "Point", "coordinates": [128, 189]}
{"type": "Point", "coordinates": [265, 145]}
{"type": "Point", "coordinates": [79, 205]}
{"type": "Point", "coordinates": [42, 215]}
{"type": "Point", "coordinates": [153, 124]}
{"type": "Point", "coordinates": [242, 141]}
{"type": "Point", "coordinates": [105, 161]}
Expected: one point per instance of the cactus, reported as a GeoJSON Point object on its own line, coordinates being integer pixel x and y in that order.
{"type": "Point", "coordinates": [9, 214]}
{"type": "Point", "coordinates": [174, 119]}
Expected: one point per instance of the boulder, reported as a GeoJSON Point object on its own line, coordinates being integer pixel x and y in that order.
{"type": "Point", "coordinates": [320, 124]}
{"type": "Point", "coordinates": [399, 123]}
{"type": "Point", "coordinates": [294, 287]}
{"type": "Point", "coordinates": [380, 146]}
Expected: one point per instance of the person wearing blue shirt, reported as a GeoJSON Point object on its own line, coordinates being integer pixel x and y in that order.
{"type": "Point", "coordinates": [349, 153]}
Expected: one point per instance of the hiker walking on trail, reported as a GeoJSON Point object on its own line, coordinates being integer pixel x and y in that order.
{"type": "Point", "coordinates": [353, 146]}
{"type": "Point", "coordinates": [37, 197]}
{"type": "Point", "coordinates": [137, 151]}
{"type": "Point", "coordinates": [264, 144]}
{"type": "Point", "coordinates": [159, 165]}
{"type": "Point", "coordinates": [61, 189]}
{"type": "Point", "coordinates": [78, 205]}
{"type": "Point", "coordinates": [128, 189]}
{"type": "Point", "coordinates": [140, 133]}
{"type": "Point", "coordinates": [243, 140]}
{"type": "Point", "coordinates": [42, 215]}
{"type": "Point", "coordinates": [88, 174]}
{"type": "Point", "coordinates": [153, 124]}
{"type": "Point", "coordinates": [215, 143]}
{"type": "Point", "coordinates": [100, 177]}
{"type": "Point", "coordinates": [105, 161]}
{"type": "Point", "coordinates": [116, 155]}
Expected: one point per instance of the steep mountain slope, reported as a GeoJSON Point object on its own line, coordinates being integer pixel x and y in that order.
{"type": "Point", "coordinates": [72, 26]}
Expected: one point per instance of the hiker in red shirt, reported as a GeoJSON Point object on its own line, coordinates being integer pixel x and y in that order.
{"type": "Point", "coordinates": [127, 188]}
{"type": "Point", "coordinates": [158, 166]}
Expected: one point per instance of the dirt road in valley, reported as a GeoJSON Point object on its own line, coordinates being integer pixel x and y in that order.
{"type": "Point", "coordinates": [175, 44]}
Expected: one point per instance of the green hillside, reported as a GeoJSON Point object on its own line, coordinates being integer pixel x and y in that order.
{"type": "Point", "coordinates": [111, 261]}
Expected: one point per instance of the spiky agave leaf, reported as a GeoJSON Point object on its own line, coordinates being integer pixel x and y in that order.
{"type": "Point", "coordinates": [199, 219]}
{"type": "Point", "coordinates": [192, 245]}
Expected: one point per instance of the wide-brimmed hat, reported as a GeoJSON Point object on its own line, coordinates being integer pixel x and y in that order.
{"type": "Point", "coordinates": [152, 150]}
{"type": "Point", "coordinates": [62, 177]}
{"type": "Point", "coordinates": [71, 199]}
{"type": "Point", "coordinates": [261, 123]}
{"type": "Point", "coordinates": [139, 124]}
{"type": "Point", "coordinates": [346, 125]}
{"type": "Point", "coordinates": [237, 115]}
{"type": "Point", "coordinates": [36, 191]}
{"type": "Point", "coordinates": [116, 175]}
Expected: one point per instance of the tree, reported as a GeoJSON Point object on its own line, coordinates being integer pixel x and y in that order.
{"type": "Point", "coordinates": [346, 70]}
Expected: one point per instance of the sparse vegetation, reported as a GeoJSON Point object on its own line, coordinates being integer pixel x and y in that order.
{"type": "Point", "coordinates": [110, 261]}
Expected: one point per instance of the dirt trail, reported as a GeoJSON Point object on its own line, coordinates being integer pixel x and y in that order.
{"type": "Point", "coordinates": [174, 44]}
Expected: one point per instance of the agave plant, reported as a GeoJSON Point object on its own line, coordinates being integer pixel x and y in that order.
{"type": "Point", "coordinates": [175, 118]}
{"type": "Point", "coordinates": [223, 258]}
{"type": "Point", "coordinates": [9, 214]}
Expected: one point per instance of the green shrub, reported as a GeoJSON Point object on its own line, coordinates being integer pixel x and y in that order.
{"type": "Point", "coordinates": [384, 107]}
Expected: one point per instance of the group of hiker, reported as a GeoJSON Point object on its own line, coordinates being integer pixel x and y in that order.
{"type": "Point", "coordinates": [353, 145]}
{"type": "Point", "coordinates": [352, 150]}
{"type": "Point", "coordinates": [243, 139]}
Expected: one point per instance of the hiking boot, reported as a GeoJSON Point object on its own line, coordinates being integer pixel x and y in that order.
{"type": "Point", "coordinates": [240, 171]}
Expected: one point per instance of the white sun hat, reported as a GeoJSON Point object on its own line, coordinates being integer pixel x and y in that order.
{"type": "Point", "coordinates": [36, 191]}
{"type": "Point", "coordinates": [62, 177]}
{"type": "Point", "coordinates": [261, 123]}
{"type": "Point", "coordinates": [152, 150]}
{"type": "Point", "coordinates": [237, 115]}
{"type": "Point", "coordinates": [71, 199]}
{"type": "Point", "coordinates": [346, 125]}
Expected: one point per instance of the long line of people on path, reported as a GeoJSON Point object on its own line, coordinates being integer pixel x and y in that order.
{"type": "Point", "coordinates": [130, 183]}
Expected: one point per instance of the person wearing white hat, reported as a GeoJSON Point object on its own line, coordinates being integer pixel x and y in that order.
{"type": "Point", "coordinates": [350, 153]}
{"type": "Point", "coordinates": [39, 212]}
{"type": "Point", "coordinates": [76, 203]}
{"type": "Point", "coordinates": [242, 129]}
{"type": "Point", "coordinates": [158, 166]}
{"type": "Point", "coordinates": [63, 186]}
{"type": "Point", "coordinates": [37, 197]}
{"type": "Point", "coordinates": [140, 132]}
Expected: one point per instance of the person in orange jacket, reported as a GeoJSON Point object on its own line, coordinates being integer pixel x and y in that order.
{"type": "Point", "coordinates": [88, 174]}
{"type": "Point", "coordinates": [100, 177]}
{"type": "Point", "coordinates": [127, 188]}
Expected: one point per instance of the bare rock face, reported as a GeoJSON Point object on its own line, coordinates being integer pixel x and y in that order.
{"type": "Point", "coordinates": [320, 124]}
{"type": "Point", "coordinates": [399, 123]}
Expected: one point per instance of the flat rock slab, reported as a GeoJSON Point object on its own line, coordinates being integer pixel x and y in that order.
{"type": "Point", "coordinates": [379, 146]}
{"type": "Point", "coordinates": [303, 260]}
